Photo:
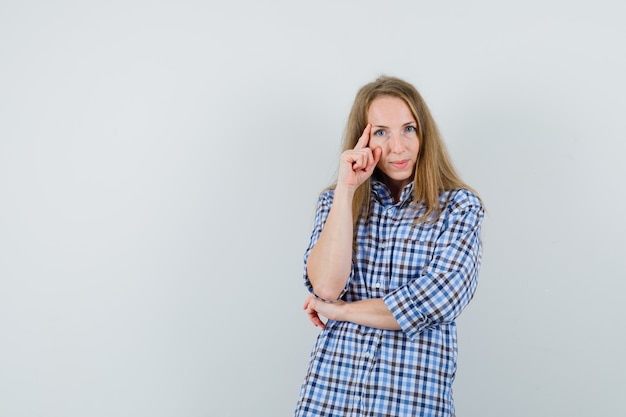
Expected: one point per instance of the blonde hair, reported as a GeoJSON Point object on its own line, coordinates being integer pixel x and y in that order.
{"type": "Point", "coordinates": [434, 172]}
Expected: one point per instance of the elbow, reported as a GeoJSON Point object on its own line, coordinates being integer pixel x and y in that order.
{"type": "Point", "coordinates": [328, 289]}
{"type": "Point", "coordinates": [326, 293]}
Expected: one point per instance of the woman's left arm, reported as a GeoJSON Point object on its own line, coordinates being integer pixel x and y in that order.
{"type": "Point", "coordinates": [372, 312]}
{"type": "Point", "coordinates": [445, 287]}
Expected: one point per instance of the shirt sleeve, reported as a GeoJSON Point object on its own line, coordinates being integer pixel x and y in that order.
{"type": "Point", "coordinates": [324, 203]}
{"type": "Point", "coordinates": [447, 284]}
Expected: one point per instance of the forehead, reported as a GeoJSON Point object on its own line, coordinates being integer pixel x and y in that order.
{"type": "Point", "coordinates": [389, 109]}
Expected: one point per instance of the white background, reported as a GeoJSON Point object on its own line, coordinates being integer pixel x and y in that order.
{"type": "Point", "coordinates": [160, 163]}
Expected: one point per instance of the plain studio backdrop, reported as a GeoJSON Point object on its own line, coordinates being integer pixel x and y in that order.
{"type": "Point", "coordinates": [160, 162]}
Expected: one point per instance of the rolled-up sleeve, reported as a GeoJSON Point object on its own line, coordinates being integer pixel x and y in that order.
{"type": "Point", "coordinates": [447, 284]}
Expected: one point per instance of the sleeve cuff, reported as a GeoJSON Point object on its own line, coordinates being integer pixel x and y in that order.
{"type": "Point", "coordinates": [411, 321]}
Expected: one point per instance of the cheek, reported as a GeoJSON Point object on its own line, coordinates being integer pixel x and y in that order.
{"type": "Point", "coordinates": [376, 144]}
{"type": "Point", "coordinates": [416, 149]}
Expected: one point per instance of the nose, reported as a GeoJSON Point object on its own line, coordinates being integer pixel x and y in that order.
{"type": "Point", "coordinates": [395, 143]}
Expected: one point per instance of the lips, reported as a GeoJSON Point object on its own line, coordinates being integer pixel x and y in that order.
{"type": "Point", "coordinates": [400, 164]}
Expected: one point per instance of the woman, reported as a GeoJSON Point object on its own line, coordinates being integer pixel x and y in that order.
{"type": "Point", "coordinates": [393, 260]}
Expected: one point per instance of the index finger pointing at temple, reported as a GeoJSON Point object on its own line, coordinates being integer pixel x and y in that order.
{"type": "Point", "coordinates": [365, 137]}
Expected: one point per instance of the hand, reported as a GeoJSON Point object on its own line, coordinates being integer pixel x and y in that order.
{"type": "Point", "coordinates": [314, 308]}
{"type": "Point", "coordinates": [358, 164]}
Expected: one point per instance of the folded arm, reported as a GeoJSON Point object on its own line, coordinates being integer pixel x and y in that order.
{"type": "Point", "coordinates": [371, 313]}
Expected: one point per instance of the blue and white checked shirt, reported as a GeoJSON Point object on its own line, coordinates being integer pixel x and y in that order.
{"type": "Point", "coordinates": [426, 274]}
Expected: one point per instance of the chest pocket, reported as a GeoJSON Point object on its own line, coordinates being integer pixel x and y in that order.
{"type": "Point", "coordinates": [413, 249]}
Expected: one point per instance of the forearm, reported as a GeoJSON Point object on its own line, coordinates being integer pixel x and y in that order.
{"type": "Point", "coordinates": [371, 312]}
{"type": "Point", "coordinates": [330, 261]}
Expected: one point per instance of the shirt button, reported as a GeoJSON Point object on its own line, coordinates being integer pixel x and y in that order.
{"type": "Point", "coordinates": [378, 285]}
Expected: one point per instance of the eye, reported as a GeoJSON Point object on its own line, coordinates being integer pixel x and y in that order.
{"type": "Point", "coordinates": [380, 133]}
{"type": "Point", "coordinates": [410, 129]}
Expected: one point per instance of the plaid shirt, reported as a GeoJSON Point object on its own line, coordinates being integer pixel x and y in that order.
{"type": "Point", "coordinates": [426, 274]}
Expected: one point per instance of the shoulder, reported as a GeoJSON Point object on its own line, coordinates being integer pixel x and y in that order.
{"type": "Point", "coordinates": [461, 200]}
{"type": "Point", "coordinates": [326, 196]}
{"type": "Point", "coordinates": [325, 201]}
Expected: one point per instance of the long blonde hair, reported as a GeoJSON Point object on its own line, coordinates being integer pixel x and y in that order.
{"type": "Point", "coordinates": [434, 171]}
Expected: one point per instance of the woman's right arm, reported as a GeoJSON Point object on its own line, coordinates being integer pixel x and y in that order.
{"type": "Point", "coordinates": [330, 262]}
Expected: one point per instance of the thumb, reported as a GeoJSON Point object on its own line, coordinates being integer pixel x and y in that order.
{"type": "Point", "coordinates": [377, 153]}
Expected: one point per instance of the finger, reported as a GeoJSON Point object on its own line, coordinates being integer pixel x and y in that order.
{"type": "Point", "coordinates": [307, 301]}
{"type": "Point", "coordinates": [317, 322]}
{"type": "Point", "coordinates": [373, 160]}
{"type": "Point", "coordinates": [365, 137]}
{"type": "Point", "coordinates": [362, 160]}
{"type": "Point", "coordinates": [357, 161]}
{"type": "Point", "coordinates": [315, 318]}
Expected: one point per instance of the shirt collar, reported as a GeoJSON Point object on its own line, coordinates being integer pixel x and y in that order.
{"type": "Point", "coordinates": [383, 195]}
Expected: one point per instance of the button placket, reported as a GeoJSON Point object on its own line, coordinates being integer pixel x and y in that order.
{"type": "Point", "coordinates": [389, 214]}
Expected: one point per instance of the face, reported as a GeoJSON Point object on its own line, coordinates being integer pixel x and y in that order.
{"type": "Point", "coordinates": [394, 131]}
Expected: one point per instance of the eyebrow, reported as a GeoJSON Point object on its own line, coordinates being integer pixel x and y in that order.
{"type": "Point", "coordinates": [404, 125]}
